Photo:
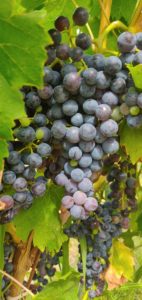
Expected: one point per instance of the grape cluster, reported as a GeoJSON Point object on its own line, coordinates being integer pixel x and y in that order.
{"type": "Point", "coordinates": [107, 222]}
{"type": "Point", "coordinates": [70, 135]}
{"type": "Point", "coordinates": [45, 270]}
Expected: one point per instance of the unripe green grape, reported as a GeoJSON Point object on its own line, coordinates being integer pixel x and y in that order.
{"type": "Point", "coordinates": [25, 122]}
{"type": "Point", "coordinates": [116, 114]}
{"type": "Point", "coordinates": [39, 134]}
{"type": "Point", "coordinates": [39, 109]}
{"type": "Point", "coordinates": [124, 109]}
{"type": "Point", "coordinates": [134, 110]}
{"type": "Point", "coordinates": [73, 163]}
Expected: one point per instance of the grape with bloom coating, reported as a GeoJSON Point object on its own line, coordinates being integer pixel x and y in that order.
{"type": "Point", "coordinates": [79, 198]}
{"type": "Point", "coordinates": [126, 41]}
{"type": "Point", "coordinates": [91, 204]}
{"type": "Point", "coordinates": [61, 179]}
{"type": "Point", "coordinates": [85, 185]}
{"type": "Point", "coordinates": [76, 211]}
{"type": "Point", "coordinates": [75, 153]}
{"type": "Point", "coordinates": [77, 175]}
{"type": "Point", "coordinates": [67, 201]}
{"type": "Point", "coordinates": [87, 132]}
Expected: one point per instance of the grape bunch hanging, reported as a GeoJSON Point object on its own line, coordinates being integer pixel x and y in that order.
{"type": "Point", "coordinates": [70, 135]}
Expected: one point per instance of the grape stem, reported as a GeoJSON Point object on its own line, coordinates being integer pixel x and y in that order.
{"type": "Point", "coordinates": [110, 27]}
{"type": "Point", "coordinates": [135, 24]}
{"type": "Point", "coordinates": [37, 256]}
{"type": "Point", "coordinates": [16, 282]}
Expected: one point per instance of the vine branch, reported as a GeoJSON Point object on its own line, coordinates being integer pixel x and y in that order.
{"type": "Point", "coordinates": [16, 282]}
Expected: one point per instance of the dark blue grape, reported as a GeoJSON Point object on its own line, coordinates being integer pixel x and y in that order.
{"type": "Point", "coordinates": [70, 108]}
{"type": "Point", "coordinates": [60, 94]}
{"type": "Point", "coordinates": [34, 160]}
{"type": "Point", "coordinates": [126, 42]}
{"type": "Point", "coordinates": [102, 80]}
{"type": "Point", "coordinates": [40, 119]}
{"type": "Point", "coordinates": [14, 158]}
{"type": "Point", "coordinates": [26, 134]}
{"type": "Point", "coordinates": [87, 132]}
{"type": "Point", "coordinates": [63, 51]}
{"type": "Point", "coordinates": [90, 76]}
{"type": "Point", "coordinates": [20, 184]}
{"type": "Point", "coordinates": [38, 189]}
{"type": "Point", "coordinates": [44, 149]}
{"type": "Point", "coordinates": [80, 16]}
{"type": "Point", "coordinates": [83, 41]}
{"type": "Point", "coordinates": [9, 177]}
{"type": "Point", "coordinates": [32, 100]}
{"type": "Point", "coordinates": [77, 119]}
{"type": "Point", "coordinates": [58, 130]}
{"type": "Point", "coordinates": [112, 65]}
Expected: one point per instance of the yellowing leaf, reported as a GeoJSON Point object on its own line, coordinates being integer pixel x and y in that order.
{"type": "Point", "coordinates": [122, 259]}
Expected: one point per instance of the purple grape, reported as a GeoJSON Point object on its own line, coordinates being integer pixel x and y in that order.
{"type": "Point", "coordinates": [20, 184]}
{"type": "Point", "coordinates": [85, 185]}
{"type": "Point", "coordinates": [76, 211]}
{"type": "Point", "coordinates": [67, 201]}
{"type": "Point", "coordinates": [38, 189]}
{"type": "Point", "coordinates": [61, 179]}
{"type": "Point", "coordinates": [71, 187]}
{"type": "Point", "coordinates": [6, 202]}
{"type": "Point", "coordinates": [91, 204]}
{"type": "Point", "coordinates": [79, 198]}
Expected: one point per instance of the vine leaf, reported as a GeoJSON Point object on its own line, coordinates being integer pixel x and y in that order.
{"type": "Point", "coordinates": [11, 108]}
{"type": "Point", "coordinates": [65, 288]}
{"type": "Point", "coordinates": [122, 12]}
{"type": "Point", "coordinates": [122, 259]}
{"type": "Point", "coordinates": [43, 218]}
{"type": "Point", "coordinates": [2, 232]}
{"type": "Point", "coordinates": [136, 73]}
{"type": "Point", "coordinates": [131, 139]}
{"type": "Point", "coordinates": [22, 59]}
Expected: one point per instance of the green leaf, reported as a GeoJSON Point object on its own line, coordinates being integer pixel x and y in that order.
{"type": "Point", "coordinates": [22, 55]}
{"type": "Point", "coordinates": [121, 259]}
{"type": "Point", "coordinates": [128, 238]}
{"type": "Point", "coordinates": [63, 289]}
{"type": "Point", "coordinates": [2, 233]}
{"type": "Point", "coordinates": [138, 274]}
{"type": "Point", "coordinates": [122, 10]}
{"type": "Point", "coordinates": [83, 246]}
{"type": "Point", "coordinates": [43, 218]}
{"type": "Point", "coordinates": [136, 73]}
{"type": "Point", "coordinates": [11, 108]}
{"type": "Point", "coordinates": [131, 139]}
{"type": "Point", "coordinates": [3, 152]}
{"type": "Point", "coordinates": [33, 4]}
